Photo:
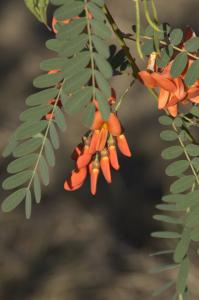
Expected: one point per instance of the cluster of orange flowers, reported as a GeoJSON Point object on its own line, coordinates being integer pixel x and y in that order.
{"type": "Point", "coordinates": [98, 147]}
{"type": "Point", "coordinates": [98, 151]}
{"type": "Point", "coordinates": [172, 91]}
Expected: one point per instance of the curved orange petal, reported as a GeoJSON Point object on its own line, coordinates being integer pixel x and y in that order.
{"type": "Point", "coordinates": [84, 159]}
{"type": "Point", "coordinates": [68, 187]}
{"type": "Point", "coordinates": [123, 145]}
{"type": "Point", "coordinates": [94, 178]}
{"type": "Point", "coordinates": [54, 22]}
{"type": "Point", "coordinates": [147, 79]}
{"type": "Point", "coordinates": [180, 92]}
{"type": "Point", "coordinates": [94, 141]}
{"type": "Point", "coordinates": [98, 121]}
{"type": "Point", "coordinates": [163, 82]}
{"type": "Point", "coordinates": [76, 178]}
{"type": "Point", "coordinates": [173, 110]}
{"type": "Point", "coordinates": [105, 166]}
{"type": "Point", "coordinates": [53, 72]}
{"type": "Point", "coordinates": [114, 126]}
{"type": "Point", "coordinates": [163, 98]}
{"type": "Point", "coordinates": [102, 139]}
{"type": "Point", "coordinates": [113, 157]}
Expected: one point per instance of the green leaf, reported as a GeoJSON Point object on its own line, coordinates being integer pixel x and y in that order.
{"type": "Point", "coordinates": [182, 246]}
{"type": "Point", "coordinates": [101, 29]}
{"type": "Point", "coordinates": [148, 47]}
{"type": "Point", "coordinates": [193, 217]}
{"type": "Point", "coordinates": [164, 252]}
{"type": "Point", "coordinates": [72, 30]}
{"type": "Point", "coordinates": [167, 207]}
{"type": "Point", "coordinates": [76, 64]}
{"type": "Point", "coordinates": [54, 136]}
{"type": "Point", "coordinates": [103, 66]}
{"type": "Point", "coordinates": [178, 122]}
{"type": "Point", "coordinates": [56, 63]}
{"type": "Point", "coordinates": [47, 80]}
{"type": "Point", "coordinates": [37, 188]}
{"type": "Point", "coordinates": [192, 45]}
{"type": "Point", "coordinates": [99, 2]}
{"type": "Point", "coordinates": [16, 180]}
{"type": "Point", "coordinates": [195, 111]}
{"type": "Point", "coordinates": [22, 163]}
{"type": "Point", "coordinates": [103, 84]}
{"type": "Point", "coordinates": [69, 10]}
{"type": "Point", "coordinates": [177, 168]}
{"type": "Point", "coordinates": [29, 129]}
{"type": "Point", "coordinates": [173, 198]}
{"type": "Point", "coordinates": [70, 48]}
{"type": "Point", "coordinates": [165, 120]}
{"type": "Point", "coordinates": [166, 235]}
{"type": "Point", "coordinates": [176, 36]}
{"type": "Point", "coordinates": [192, 149]}
{"type": "Point", "coordinates": [78, 101]}
{"type": "Point", "coordinates": [179, 64]}
{"type": "Point", "coordinates": [35, 113]}
{"type": "Point", "coordinates": [195, 235]}
{"type": "Point", "coordinates": [100, 46]}
{"type": "Point", "coordinates": [192, 74]}
{"type": "Point", "coordinates": [49, 153]}
{"type": "Point", "coordinates": [43, 169]}
{"type": "Point", "coordinates": [168, 135]}
{"type": "Point", "coordinates": [162, 268]}
{"type": "Point", "coordinates": [28, 204]}
{"type": "Point", "coordinates": [60, 119]}
{"type": "Point", "coordinates": [55, 45]}
{"type": "Point", "coordinates": [12, 201]}
{"type": "Point", "coordinates": [163, 288]}
{"type": "Point", "coordinates": [88, 115]}
{"type": "Point", "coordinates": [38, 9]}
{"type": "Point", "coordinates": [165, 56]}
{"type": "Point", "coordinates": [27, 147]}
{"type": "Point", "coordinates": [97, 12]}
{"type": "Point", "coordinates": [195, 162]}
{"type": "Point", "coordinates": [104, 106]}
{"type": "Point", "coordinates": [10, 147]}
{"type": "Point", "coordinates": [182, 276]}
{"type": "Point", "coordinates": [42, 97]}
{"type": "Point", "coordinates": [77, 81]}
{"type": "Point", "coordinates": [182, 184]}
{"type": "Point", "coordinates": [167, 219]}
{"type": "Point", "coordinates": [59, 2]}
{"type": "Point", "coordinates": [188, 200]}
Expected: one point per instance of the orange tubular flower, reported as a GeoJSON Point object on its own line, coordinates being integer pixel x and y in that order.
{"type": "Point", "coordinates": [172, 91]}
{"type": "Point", "coordinates": [98, 152]}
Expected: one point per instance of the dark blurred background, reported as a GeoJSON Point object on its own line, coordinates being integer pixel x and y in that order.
{"type": "Point", "coordinates": [78, 247]}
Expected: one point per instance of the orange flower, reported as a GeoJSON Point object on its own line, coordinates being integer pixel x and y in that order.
{"type": "Point", "coordinates": [98, 152]}
{"type": "Point", "coordinates": [172, 91]}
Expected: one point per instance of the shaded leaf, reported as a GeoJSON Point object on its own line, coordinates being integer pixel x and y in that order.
{"type": "Point", "coordinates": [12, 201]}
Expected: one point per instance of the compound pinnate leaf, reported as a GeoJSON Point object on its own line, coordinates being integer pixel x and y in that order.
{"type": "Point", "coordinates": [13, 200]}
{"type": "Point", "coordinates": [100, 29]}
{"type": "Point", "coordinates": [165, 120]}
{"type": "Point", "coordinates": [100, 46]}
